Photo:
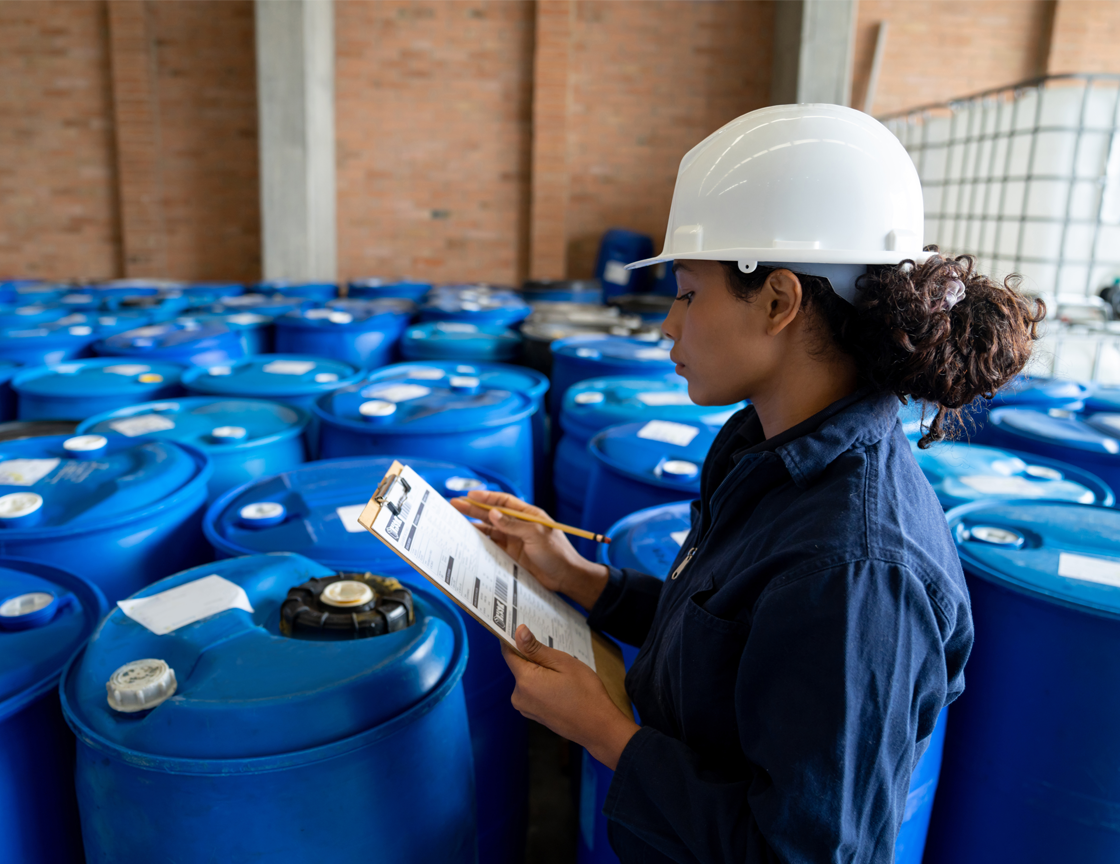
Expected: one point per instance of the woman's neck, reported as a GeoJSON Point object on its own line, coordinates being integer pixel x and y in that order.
{"type": "Point", "coordinates": [803, 388]}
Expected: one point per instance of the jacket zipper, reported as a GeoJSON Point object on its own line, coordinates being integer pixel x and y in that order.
{"type": "Point", "coordinates": [684, 563]}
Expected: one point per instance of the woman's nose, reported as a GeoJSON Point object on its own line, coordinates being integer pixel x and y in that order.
{"type": "Point", "coordinates": [670, 327]}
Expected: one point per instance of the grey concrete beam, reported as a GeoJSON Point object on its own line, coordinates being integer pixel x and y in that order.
{"type": "Point", "coordinates": [295, 99]}
{"type": "Point", "coordinates": [814, 43]}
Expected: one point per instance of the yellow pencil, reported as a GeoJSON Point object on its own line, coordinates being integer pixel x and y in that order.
{"type": "Point", "coordinates": [525, 517]}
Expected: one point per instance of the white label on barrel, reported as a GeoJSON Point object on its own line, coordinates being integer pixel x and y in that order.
{"type": "Point", "coordinates": [397, 392]}
{"type": "Point", "coordinates": [128, 369]}
{"type": "Point", "coordinates": [177, 607]}
{"type": "Point", "coordinates": [456, 327]}
{"type": "Point", "coordinates": [616, 273]}
{"type": "Point", "coordinates": [348, 515]}
{"type": "Point", "coordinates": [1019, 487]}
{"type": "Point", "coordinates": [1087, 568]}
{"type": "Point", "coordinates": [142, 425]}
{"type": "Point", "coordinates": [669, 397]}
{"type": "Point", "coordinates": [25, 472]}
{"type": "Point", "coordinates": [425, 373]}
{"type": "Point", "coordinates": [679, 536]}
{"type": "Point", "coordinates": [289, 367]}
{"type": "Point", "coordinates": [652, 354]}
{"type": "Point", "coordinates": [668, 433]}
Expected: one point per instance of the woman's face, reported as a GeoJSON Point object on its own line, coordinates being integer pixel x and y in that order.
{"type": "Point", "coordinates": [727, 348]}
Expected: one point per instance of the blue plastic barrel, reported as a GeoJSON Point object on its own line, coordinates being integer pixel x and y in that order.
{"type": "Point", "coordinates": [212, 292]}
{"type": "Point", "coordinates": [8, 370]}
{"type": "Point", "coordinates": [82, 388]}
{"type": "Point", "coordinates": [122, 512]}
{"type": "Point", "coordinates": [320, 292]}
{"type": "Point", "coordinates": [592, 405]}
{"type": "Point", "coordinates": [363, 333]}
{"type": "Point", "coordinates": [31, 315]}
{"type": "Point", "coordinates": [1102, 397]}
{"type": "Point", "coordinates": [46, 615]}
{"type": "Point", "coordinates": [563, 291]}
{"type": "Point", "coordinates": [189, 343]}
{"type": "Point", "coordinates": [263, 304]}
{"type": "Point", "coordinates": [639, 465]}
{"type": "Point", "coordinates": [47, 343]}
{"type": "Point", "coordinates": [1023, 392]}
{"type": "Point", "coordinates": [257, 332]}
{"type": "Point", "coordinates": [1090, 443]}
{"type": "Point", "coordinates": [29, 291]}
{"type": "Point", "coordinates": [118, 321]}
{"type": "Point", "coordinates": [460, 340]}
{"type": "Point", "coordinates": [376, 289]}
{"type": "Point", "coordinates": [1032, 759]}
{"type": "Point", "coordinates": [650, 541]}
{"type": "Point", "coordinates": [243, 438]}
{"type": "Point", "coordinates": [962, 473]}
{"type": "Point", "coordinates": [236, 737]}
{"type": "Point", "coordinates": [460, 419]}
{"type": "Point", "coordinates": [313, 511]}
{"type": "Point", "coordinates": [294, 379]}
{"type": "Point", "coordinates": [475, 304]}
{"type": "Point", "coordinates": [581, 357]}
{"type": "Point", "coordinates": [618, 248]}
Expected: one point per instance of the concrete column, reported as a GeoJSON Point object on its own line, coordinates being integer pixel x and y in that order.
{"type": "Point", "coordinates": [814, 42]}
{"type": "Point", "coordinates": [295, 98]}
{"type": "Point", "coordinates": [548, 234]}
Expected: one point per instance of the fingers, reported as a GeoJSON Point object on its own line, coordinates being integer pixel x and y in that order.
{"type": "Point", "coordinates": [537, 652]}
{"type": "Point", "coordinates": [504, 499]}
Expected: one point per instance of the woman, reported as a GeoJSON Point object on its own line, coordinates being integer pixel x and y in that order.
{"type": "Point", "coordinates": [816, 622]}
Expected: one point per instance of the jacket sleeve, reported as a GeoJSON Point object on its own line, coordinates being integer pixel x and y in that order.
{"type": "Point", "coordinates": [627, 605]}
{"type": "Point", "coordinates": [842, 674]}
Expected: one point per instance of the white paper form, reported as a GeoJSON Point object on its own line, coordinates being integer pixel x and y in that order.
{"type": "Point", "coordinates": [439, 541]}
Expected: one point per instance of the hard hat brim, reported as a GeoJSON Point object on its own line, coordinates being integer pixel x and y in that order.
{"type": "Point", "coordinates": [802, 256]}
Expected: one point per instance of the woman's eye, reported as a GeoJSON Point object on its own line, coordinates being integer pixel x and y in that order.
{"type": "Point", "coordinates": [687, 297]}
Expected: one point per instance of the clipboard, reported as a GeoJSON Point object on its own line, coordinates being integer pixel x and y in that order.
{"type": "Point", "coordinates": [393, 493]}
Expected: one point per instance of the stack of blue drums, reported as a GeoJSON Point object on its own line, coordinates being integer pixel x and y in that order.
{"type": "Point", "coordinates": [618, 248]}
{"type": "Point", "coordinates": [1039, 394]}
{"type": "Point", "coordinates": [313, 510]}
{"type": "Point", "coordinates": [319, 292]}
{"type": "Point", "coordinates": [376, 289]}
{"type": "Point", "coordinates": [460, 340]}
{"type": "Point", "coordinates": [243, 438]}
{"type": "Point", "coordinates": [597, 403]}
{"type": "Point", "coordinates": [121, 512]}
{"type": "Point", "coordinates": [363, 333]}
{"type": "Point", "coordinates": [475, 304]}
{"type": "Point", "coordinates": [460, 418]}
{"type": "Point", "coordinates": [46, 615]}
{"type": "Point", "coordinates": [1032, 759]}
{"type": "Point", "coordinates": [48, 343]}
{"type": "Point", "coordinates": [82, 388]}
{"type": "Point", "coordinates": [270, 707]}
{"type": "Point", "coordinates": [586, 291]}
{"type": "Point", "coordinates": [582, 357]}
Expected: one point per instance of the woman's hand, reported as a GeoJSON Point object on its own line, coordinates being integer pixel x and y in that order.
{"type": "Point", "coordinates": [566, 695]}
{"type": "Point", "coordinates": [544, 552]}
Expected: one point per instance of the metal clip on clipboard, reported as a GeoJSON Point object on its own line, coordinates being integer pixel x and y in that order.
{"type": "Point", "coordinates": [392, 492]}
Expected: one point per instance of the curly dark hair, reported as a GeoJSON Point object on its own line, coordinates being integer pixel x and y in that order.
{"type": "Point", "coordinates": [907, 340]}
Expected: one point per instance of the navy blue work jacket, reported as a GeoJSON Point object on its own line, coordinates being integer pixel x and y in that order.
{"type": "Point", "coordinates": [790, 676]}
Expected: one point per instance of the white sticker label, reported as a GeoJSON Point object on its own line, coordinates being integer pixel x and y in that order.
{"type": "Point", "coordinates": [1086, 568]}
{"type": "Point", "coordinates": [424, 373]}
{"type": "Point", "coordinates": [128, 369]}
{"type": "Point", "coordinates": [616, 273]}
{"type": "Point", "coordinates": [659, 400]}
{"type": "Point", "coordinates": [177, 607]}
{"type": "Point", "coordinates": [652, 354]}
{"type": "Point", "coordinates": [142, 425]}
{"type": "Point", "coordinates": [289, 367]}
{"type": "Point", "coordinates": [397, 392]}
{"type": "Point", "coordinates": [25, 472]}
{"type": "Point", "coordinates": [455, 327]}
{"type": "Point", "coordinates": [1020, 487]}
{"type": "Point", "coordinates": [679, 536]}
{"type": "Point", "coordinates": [669, 433]}
{"type": "Point", "coordinates": [348, 515]}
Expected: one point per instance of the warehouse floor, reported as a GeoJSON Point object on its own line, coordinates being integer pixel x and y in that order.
{"type": "Point", "coordinates": [553, 819]}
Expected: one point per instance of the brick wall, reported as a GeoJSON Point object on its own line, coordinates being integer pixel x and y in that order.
{"type": "Point", "coordinates": [57, 199]}
{"type": "Point", "coordinates": [1086, 37]}
{"type": "Point", "coordinates": [647, 82]}
{"type": "Point", "coordinates": [939, 49]}
{"type": "Point", "coordinates": [433, 116]}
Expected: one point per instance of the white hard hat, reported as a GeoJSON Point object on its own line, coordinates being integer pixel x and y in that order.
{"type": "Point", "coordinates": [807, 187]}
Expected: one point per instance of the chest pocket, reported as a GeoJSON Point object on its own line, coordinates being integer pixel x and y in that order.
{"type": "Point", "coordinates": [709, 652]}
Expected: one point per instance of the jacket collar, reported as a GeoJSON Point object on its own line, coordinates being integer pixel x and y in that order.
{"type": "Point", "coordinates": [867, 420]}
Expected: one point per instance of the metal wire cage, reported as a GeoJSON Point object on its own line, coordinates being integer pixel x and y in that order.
{"type": "Point", "coordinates": [1027, 179]}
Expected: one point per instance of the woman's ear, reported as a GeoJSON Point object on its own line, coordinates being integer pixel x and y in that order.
{"type": "Point", "coordinates": [781, 298]}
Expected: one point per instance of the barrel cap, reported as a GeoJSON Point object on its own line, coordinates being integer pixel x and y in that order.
{"type": "Point", "coordinates": [1060, 551]}
{"type": "Point", "coordinates": [140, 685]}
